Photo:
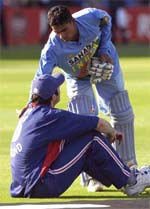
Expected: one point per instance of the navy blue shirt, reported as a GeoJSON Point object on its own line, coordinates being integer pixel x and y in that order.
{"type": "Point", "coordinates": [36, 130]}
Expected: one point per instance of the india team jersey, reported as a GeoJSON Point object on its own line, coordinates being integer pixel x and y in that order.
{"type": "Point", "coordinates": [73, 56]}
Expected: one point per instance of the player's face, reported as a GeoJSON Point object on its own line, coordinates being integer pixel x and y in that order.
{"type": "Point", "coordinates": [67, 31]}
{"type": "Point", "coordinates": [58, 96]}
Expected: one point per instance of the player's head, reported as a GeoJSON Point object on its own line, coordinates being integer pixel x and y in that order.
{"type": "Point", "coordinates": [62, 23]}
{"type": "Point", "coordinates": [45, 89]}
{"type": "Point", "coordinates": [59, 15]}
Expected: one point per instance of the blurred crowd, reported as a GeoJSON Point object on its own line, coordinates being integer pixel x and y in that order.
{"type": "Point", "coordinates": [81, 3]}
{"type": "Point", "coordinates": [116, 9]}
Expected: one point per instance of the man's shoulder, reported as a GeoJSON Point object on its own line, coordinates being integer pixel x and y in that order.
{"type": "Point", "coordinates": [53, 44]}
{"type": "Point", "coordinates": [84, 12]}
{"type": "Point", "coordinates": [53, 39]}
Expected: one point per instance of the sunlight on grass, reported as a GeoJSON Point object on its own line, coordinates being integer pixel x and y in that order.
{"type": "Point", "coordinates": [15, 78]}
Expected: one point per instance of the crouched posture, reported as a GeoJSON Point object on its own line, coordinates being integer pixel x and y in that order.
{"type": "Point", "coordinates": [51, 147]}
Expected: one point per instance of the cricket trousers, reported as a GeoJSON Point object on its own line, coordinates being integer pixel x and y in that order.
{"type": "Point", "coordinates": [90, 153]}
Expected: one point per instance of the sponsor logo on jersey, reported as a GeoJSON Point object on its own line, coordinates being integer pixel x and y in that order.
{"type": "Point", "coordinates": [79, 62]}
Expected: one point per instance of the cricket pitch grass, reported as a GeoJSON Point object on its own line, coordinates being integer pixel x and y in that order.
{"type": "Point", "coordinates": [15, 77]}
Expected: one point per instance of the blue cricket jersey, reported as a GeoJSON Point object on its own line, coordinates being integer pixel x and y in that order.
{"type": "Point", "coordinates": [73, 56]}
{"type": "Point", "coordinates": [37, 141]}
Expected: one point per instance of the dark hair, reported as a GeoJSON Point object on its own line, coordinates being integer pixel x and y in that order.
{"type": "Point", "coordinates": [59, 15]}
{"type": "Point", "coordinates": [39, 100]}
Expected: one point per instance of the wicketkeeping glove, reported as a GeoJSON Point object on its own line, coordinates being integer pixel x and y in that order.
{"type": "Point", "coordinates": [99, 71]}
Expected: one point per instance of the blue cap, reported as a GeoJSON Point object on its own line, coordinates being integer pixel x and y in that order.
{"type": "Point", "coordinates": [46, 85]}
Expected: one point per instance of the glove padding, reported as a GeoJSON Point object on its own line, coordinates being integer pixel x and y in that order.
{"type": "Point", "coordinates": [100, 71]}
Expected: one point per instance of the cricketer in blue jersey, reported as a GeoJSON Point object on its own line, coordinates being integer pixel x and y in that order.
{"type": "Point", "coordinates": [51, 147]}
{"type": "Point", "coordinates": [80, 44]}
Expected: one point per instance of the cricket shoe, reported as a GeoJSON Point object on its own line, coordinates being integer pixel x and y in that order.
{"type": "Point", "coordinates": [142, 181]}
{"type": "Point", "coordinates": [145, 170]}
{"type": "Point", "coordinates": [94, 186]}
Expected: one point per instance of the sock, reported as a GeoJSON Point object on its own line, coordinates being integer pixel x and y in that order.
{"type": "Point", "coordinates": [132, 179]}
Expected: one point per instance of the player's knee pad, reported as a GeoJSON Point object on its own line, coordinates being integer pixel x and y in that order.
{"type": "Point", "coordinates": [122, 119]}
{"type": "Point", "coordinates": [83, 104]}
{"type": "Point", "coordinates": [120, 109]}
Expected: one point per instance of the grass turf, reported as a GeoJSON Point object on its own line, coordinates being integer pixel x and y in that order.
{"type": "Point", "coordinates": [15, 77]}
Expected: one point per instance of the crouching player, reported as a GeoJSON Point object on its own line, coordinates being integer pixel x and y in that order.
{"type": "Point", "coordinates": [51, 147]}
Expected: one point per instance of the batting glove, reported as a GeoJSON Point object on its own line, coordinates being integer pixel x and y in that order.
{"type": "Point", "coordinates": [100, 71]}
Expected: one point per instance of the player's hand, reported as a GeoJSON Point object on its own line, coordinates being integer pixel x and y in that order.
{"type": "Point", "coordinates": [105, 58]}
{"type": "Point", "coordinates": [99, 71]}
{"type": "Point", "coordinates": [105, 128]}
{"type": "Point", "coordinates": [117, 136]}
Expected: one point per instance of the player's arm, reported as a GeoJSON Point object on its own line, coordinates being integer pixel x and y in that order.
{"type": "Point", "coordinates": [70, 126]}
{"type": "Point", "coordinates": [101, 67]}
{"type": "Point", "coordinates": [104, 126]}
{"type": "Point", "coordinates": [48, 61]}
{"type": "Point", "coordinates": [105, 26]}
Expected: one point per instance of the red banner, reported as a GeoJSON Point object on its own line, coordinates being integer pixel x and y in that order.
{"type": "Point", "coordinates": [22, 26]}
{"type": "Point", "coordinates": [139, 24]}
{"type": "Point", "coordinates": [29, 25]}
{"type": "Point", "coordinates": [132, 25]}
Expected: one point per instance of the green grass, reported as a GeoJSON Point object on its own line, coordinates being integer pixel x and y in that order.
{"type": "Point", "coordinates": [15, 77]}
{"type": "Point", "coordinates": [33, 52]}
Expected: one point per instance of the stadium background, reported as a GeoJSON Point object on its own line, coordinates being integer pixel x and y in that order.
{"type": "Point", "coordinates": [24, 22]}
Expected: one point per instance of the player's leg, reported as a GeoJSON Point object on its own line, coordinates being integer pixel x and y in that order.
{"type": "Point", "coordinates": [81, 98]}
{"type": "Point", "coordinates": [65, 169]}
{"type": "Point", "coordinates": [114, 101]}
{"type": "Point", "coordinates": [82, 101]}
{"type": "Point", "coordinates": [104, 159]}
{"type": "Point", "coordinates": [95, 155]}
{"type": "Point", "coordinates": [74, 158]}
{"type": "Point", "coordinates": [122, 119]}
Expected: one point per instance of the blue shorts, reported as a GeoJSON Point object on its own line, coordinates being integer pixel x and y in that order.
{"type": "Point", "coordinates": [104, 91]}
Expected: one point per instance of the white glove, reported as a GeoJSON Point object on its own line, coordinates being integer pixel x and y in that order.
{"type": "Point", "coordinates": [100, 71]}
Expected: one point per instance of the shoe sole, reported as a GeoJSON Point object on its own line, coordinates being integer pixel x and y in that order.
{"type": "Point", "coordinates": [142, 188]}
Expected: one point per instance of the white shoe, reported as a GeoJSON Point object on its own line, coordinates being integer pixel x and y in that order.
{"type": "Point", "coordinates": [143, 180]}
{"type": "Point", "coordinates": [145, 170]}
{"type": "Point", "coordinates": [94, 186]}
